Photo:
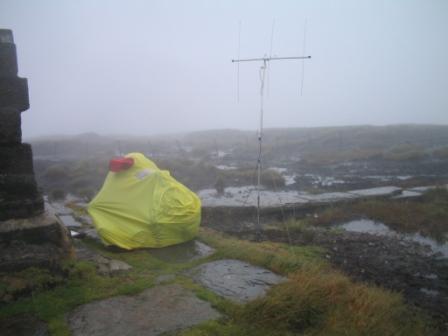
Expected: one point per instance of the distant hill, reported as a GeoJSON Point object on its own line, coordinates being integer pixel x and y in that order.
{"type": "Point", "coordinates": [278, 142]}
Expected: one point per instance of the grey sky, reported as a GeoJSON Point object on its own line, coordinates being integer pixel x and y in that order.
{"type": "Point", "coordinates": [146, 67]}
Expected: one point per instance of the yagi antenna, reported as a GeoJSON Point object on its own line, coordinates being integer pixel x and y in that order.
{"type": "Point", "coordinates": [264, 63]}
{"type": "Point", "coordinates": [303, 62]}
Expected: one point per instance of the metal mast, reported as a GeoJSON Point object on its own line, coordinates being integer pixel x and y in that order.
{"type": "Point", "coordinates": [263, 67]}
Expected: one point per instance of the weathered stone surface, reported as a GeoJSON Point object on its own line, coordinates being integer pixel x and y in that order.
{"type": "Point", "coordinates": [14, 93]}
{"type": "Point", "coordinates": [19, 197]}
{"type": "Point", "coordinates": [23, 325]}
{"type": "Point", "coordinates": [13, 186]}
{"type": "Point", "coordinates": [69, 222]}
{"type": "Point", "coordinates": [20, 208]}
{"type": "Point", "coordinates": [10, 130]}
{"type": "Point", "coordinates": [236, 280]}
{"type": "Point", "coordinates": [8, 60]}
{"type": "Point", "coordinates": [16, 159]}
{"type": "Point", "coordinates": [158, 310]}
{"type": "Point", "coordinates": [181, 253]}
{"type": "Point", "coordinates": [39, 241]}
{"type": "Point", "coordinates": [6, 36]}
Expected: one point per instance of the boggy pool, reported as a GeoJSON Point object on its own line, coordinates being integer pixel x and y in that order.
{"type": "Point", "coordinates": [378, 228]}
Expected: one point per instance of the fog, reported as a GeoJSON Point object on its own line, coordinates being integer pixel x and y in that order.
{"type": "Point", "coordinates": [151, 67]}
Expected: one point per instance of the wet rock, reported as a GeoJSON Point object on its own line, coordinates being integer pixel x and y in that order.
{"type": "Point", "coordinates": [92, 234]}
{"type": "Point", "coordinates": [14, 93]}
{"type": "Point", "coordinates": [58, 209]}
{"type": "Point", "coordinates": [8, 66]}
{"type": "Point", "coordinates": [69, 222]}
{"type": "Point", "coordinates": [10, 121]}
{"type": "Point", "coordinates": [23, 325]}
{"type": "Point", "coordinates": [158, 310]}
{"type": "Point", "coordinates": [85, 219]}
{"type": "Point", "coordinates": [104, 265]}
{"type": "Point", "coordinates": [203, 250]}
{"type": "Point", "coordinates": [116, 266]}
{"type": "Point", "coordinates": [235, 280]}
{"type": "Point", "coordinates": [39, 241]}
{"type": "Point", "coordinates": [181, 253]}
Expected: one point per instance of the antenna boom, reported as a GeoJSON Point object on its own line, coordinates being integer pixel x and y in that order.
{"type": "Point", "coordinates": [267, 59]}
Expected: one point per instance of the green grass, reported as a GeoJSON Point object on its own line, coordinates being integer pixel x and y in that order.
{"type": "Point", "coordinates": [279, 258]}
{"type": "Point", "coordinates": [315, 301]}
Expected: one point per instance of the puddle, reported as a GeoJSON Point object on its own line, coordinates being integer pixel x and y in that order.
{"type": "Point", "coordinates": [408, 194]}
{"type": "Point", "coordinates": [224, 167]}
{"type": "Point", "coordinates": [367, 226]}
{"type": "Point", "coordinates": [385, 178]}
{"type": "Point", "coordinates": [290, 179]}
{"type": "Point", "coordinates": [247, 196]}
{"type": "Point", "coordinates": [324, 181]}
{"type": "Point", "coordinates": [379, 191]}
{"type": "Point", "coordinates": [328, 197]}
{"type": "Point", "coordinates": [377, 228]}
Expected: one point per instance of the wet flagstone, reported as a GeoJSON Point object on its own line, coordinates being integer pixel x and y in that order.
{"type": "Point", "coordinates": [155, 311]}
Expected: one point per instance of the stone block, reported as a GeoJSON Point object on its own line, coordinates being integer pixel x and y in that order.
{"type": "Point", "coordinates": [16, 159]}
{"type": "Point", "coordinates": [8, 60]}
{"type": "Point", "coordinates": [14, 93]}
{"type": "Point", "coordinates": [10, 122]}
{"type": "Point", "coordinates": [39, 241]}
{"type": "Point", "coordinates": [6, 36]}
{"type": "Point", "coordinates": [16, 186]}
{"type": "Point", "coordinates": [20, 207]}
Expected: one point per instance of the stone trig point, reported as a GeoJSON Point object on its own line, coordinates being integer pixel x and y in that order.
{"type": "Point", "coordinates": [28, 236]}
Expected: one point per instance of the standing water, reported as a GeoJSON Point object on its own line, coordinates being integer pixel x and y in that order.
{"type": "Point", "coordinates": [377, 228]}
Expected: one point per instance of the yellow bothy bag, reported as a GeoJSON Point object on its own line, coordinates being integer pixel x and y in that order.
{"type": "Point", "coordinates": [144, 206]}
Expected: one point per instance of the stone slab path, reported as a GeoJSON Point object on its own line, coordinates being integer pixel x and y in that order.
{"type": "Point", "coordinates": [153, 312]}
{"type": "Point", "coordinates": [235, 280]}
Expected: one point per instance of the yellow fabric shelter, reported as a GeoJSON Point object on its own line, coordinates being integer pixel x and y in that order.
{"type": "Point", "coordinates": [144, 206]}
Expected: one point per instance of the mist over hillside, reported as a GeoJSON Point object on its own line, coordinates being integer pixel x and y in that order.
{"type": "Point", "coordinates": [279, 143]}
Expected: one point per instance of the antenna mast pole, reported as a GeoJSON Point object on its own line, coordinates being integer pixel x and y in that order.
{"type": "Point", "coordinates": [263, 67]}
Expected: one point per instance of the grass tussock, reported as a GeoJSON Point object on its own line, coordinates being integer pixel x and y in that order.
{"type": "Point", "coordinates": [324, 302]}
{"type": "Point", "coordinates": [316, 300]}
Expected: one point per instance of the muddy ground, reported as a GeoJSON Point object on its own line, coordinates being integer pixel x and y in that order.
{"type": "Point", "coordinates": [390, 262]}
